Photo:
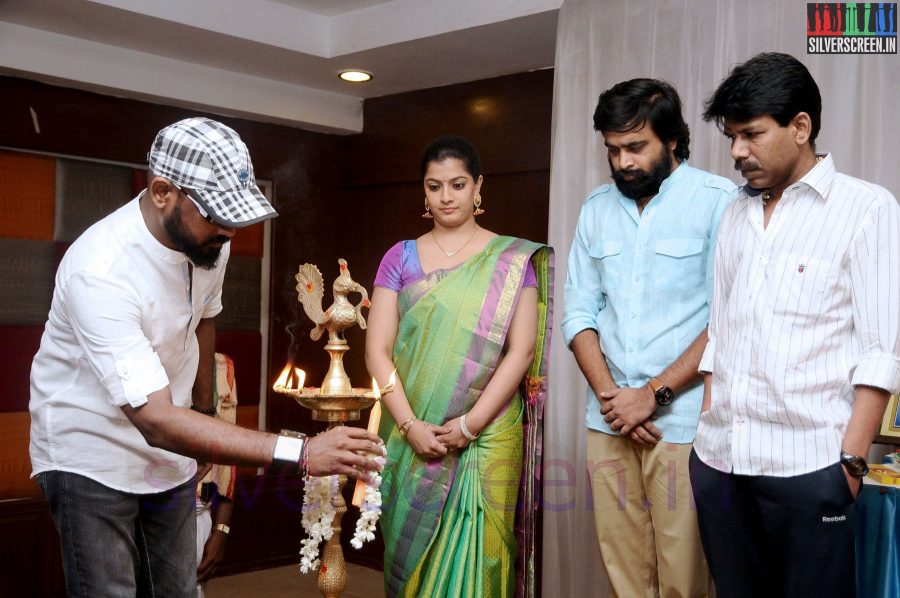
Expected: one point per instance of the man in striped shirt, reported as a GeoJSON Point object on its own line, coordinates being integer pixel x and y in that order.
{"type": "Point", "coordinates": [803, 345]}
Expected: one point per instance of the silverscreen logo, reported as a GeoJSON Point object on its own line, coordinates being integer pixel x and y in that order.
{"type": "Point", "coordinates": [851, 28]}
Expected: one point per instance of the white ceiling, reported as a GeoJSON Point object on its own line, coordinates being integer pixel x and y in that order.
{"type": "Point", "coordinates": [331, 7]}
{"type": "Point", "coordinates": [273, 60]}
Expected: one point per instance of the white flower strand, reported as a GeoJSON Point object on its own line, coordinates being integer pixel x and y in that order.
{"type": "Point", "coordinates": [318, 517]}
{"type": "Point", "coordinates": [369, 512]}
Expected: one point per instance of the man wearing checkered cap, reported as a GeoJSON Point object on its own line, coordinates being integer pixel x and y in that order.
{"type": "Point", "coordinates": [121, 388]}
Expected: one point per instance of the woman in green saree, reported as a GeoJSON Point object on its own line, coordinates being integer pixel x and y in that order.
{"type": "Point", "coordinates": [464, 316]}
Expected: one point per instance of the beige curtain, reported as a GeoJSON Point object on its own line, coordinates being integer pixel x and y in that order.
{"type": "Point", "coordinates": [691, 43]}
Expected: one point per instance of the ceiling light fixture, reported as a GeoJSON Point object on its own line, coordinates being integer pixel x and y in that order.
{"type": "Point", "coordinates": [355, 76]}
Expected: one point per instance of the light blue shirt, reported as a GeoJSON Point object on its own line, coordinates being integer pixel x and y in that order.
{"type": "Point", "coordinates": [644, 283]}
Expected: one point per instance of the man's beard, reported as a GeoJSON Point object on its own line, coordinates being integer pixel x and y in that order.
{"type": "Point", "coordinates": [643, 184]}
{"type": "Point", "coordinates": [203, 255]}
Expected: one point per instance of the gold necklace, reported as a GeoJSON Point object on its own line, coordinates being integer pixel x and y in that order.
{"type": "Point", "coordinates": [452, 253]}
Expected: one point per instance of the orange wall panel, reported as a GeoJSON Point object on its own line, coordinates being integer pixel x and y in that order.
{"type": "Point", "coordinates": [27, 196]}
{"type": "Point", "coordinates": [248, 241]}
{"type": "Point", "coordinates": [15, 465]}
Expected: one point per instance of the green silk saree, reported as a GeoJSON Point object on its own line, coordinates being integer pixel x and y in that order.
{"type": "Point", "coordinates": [464, 524]}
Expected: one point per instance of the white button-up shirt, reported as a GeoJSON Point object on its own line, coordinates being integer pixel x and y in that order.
{"type": "Point", "coordinates": [804, 310]}
{"type": "Point", "coordinates": [122, 326]}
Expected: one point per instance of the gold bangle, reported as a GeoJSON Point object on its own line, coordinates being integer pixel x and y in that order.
{"type": "Point", "coordinates": [404, 427]}
{"type": "Point", "coordinates": [223, 528]}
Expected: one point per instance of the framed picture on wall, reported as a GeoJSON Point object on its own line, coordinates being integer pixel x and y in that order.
{"type": "Point", "coordinates": [890, 423]}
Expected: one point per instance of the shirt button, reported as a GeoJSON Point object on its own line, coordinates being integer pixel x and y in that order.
{"type": "Point", "coordinates": [633, 316]}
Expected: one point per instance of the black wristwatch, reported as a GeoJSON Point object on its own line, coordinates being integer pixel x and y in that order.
{"type": "Point", "coordinates": [664, 395]}
{"type": "Point", "coordinates": [856, 465]}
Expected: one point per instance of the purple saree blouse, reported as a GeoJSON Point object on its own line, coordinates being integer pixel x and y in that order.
{"type": "Point", "coordinates": [400, 266]}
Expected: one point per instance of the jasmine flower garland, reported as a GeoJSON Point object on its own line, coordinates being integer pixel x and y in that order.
{"type": "Point", "coordinates": [318, 516]}
{"type": "Point", "coordinates": [369, 512]}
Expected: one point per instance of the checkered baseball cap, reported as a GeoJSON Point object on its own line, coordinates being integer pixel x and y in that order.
{"type": "Point", "coordinates": [210, 163]}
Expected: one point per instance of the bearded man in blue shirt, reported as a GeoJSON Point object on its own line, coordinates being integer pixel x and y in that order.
{"type": "Point", "coordinates": [637, 299]}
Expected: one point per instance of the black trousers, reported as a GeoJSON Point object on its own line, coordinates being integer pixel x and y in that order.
{"type": "Point", "coordinates": [769, 537]}
{"type": "Point", "coordinates": [121, 545]}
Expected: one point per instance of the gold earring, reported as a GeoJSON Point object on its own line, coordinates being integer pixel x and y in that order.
{"type": "Point", "coordinates": [478, 210]}
{"type": "Point", "coordinates": [427, 213]}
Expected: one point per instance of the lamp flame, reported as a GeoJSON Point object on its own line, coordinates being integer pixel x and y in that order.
{"type": "Point", "coordinates": [301, 377]}
{"type": "Point", "coordinates": [290, 380]}
{"type": "Point", "coordinates": [375, 390]}
{"type": "Point", "coordinates": [282, 379]}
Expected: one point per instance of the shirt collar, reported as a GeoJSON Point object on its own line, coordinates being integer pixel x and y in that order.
{"type": "Point", "coordinates": [152, 244]}
{"type": "Point", "coordinates": [674, 178]}
{"type": "Point", "coordinates": [818, 178]}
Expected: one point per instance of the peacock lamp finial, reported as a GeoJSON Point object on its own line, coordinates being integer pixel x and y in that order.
{"type": "Point", "coordinates": [342, 314]}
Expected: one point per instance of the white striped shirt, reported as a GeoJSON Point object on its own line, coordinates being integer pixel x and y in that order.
{"type": "Point", "coordinates": [803, 310]}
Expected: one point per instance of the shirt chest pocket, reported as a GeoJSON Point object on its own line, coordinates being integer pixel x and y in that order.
{"type": "Point", "coordinates": [798, 285]}
{"type": "Point", "coordinates": [679, 264]}
{"type": "Point", "coordinates": [607, 258]}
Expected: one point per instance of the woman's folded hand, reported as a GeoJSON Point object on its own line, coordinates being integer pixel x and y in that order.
{"type": "Point", "coordinates": [422, 437]}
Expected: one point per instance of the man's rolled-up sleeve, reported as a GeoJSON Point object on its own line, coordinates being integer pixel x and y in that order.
{"type": "Point", "coordinates": [875, 277]}
{"type": "Point", "coordinates": [106, 319]}
{"type": "Point", "coordinates": [583, 295]}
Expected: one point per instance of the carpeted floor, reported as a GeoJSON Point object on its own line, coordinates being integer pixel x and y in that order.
{"type": "Point", "coordinates": [362, 582]}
